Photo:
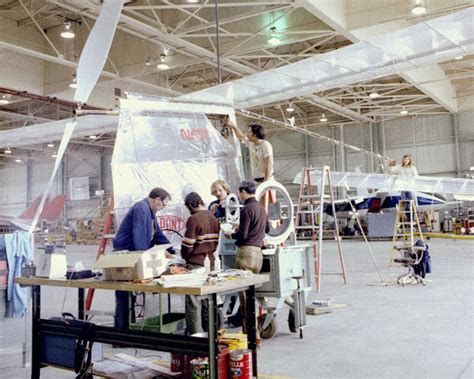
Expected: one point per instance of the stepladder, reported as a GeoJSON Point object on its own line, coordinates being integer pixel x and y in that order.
{"type": "Point", "coordinates": [407, 228]}
{"type": "Point", "coordinates": [309, 221]}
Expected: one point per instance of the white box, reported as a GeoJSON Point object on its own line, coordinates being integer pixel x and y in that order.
{"type": "Point", "coordinates": [134, 265]}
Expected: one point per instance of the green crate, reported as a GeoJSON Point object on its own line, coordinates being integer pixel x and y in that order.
{"type": "Point", "coordinates": [170, 323]}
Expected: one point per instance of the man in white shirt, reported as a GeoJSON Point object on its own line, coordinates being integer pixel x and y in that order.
{"type": "Point", "coordinates": [261, 151]}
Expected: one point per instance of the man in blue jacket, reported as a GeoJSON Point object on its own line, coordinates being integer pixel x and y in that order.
{"type": "Point", "coordinates": [139, 230]}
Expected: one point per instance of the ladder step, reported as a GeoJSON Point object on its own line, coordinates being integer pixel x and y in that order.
{"type": "Point", "coordinates": [306, 212]}
{"type": "Point", "coordinates": [310, 196]}
{"type": "Point", "coordinates": [307, 227]}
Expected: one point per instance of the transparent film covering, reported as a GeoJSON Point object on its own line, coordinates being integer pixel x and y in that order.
{"type": "Point", "coordinates": [396, 182]}
{"type": "Point", "coordinates": [161, 143]}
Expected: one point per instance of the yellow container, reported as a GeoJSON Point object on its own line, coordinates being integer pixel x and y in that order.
{"type": "Point", "coordinates": [235, 341]}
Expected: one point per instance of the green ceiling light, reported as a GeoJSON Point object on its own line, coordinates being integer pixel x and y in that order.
{"type": "Point", "coordinates": [273, 40]}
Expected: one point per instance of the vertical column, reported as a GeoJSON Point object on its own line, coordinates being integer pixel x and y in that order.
{"type": "Point", "coordinates": [456, 144]}
{"type": "Point", "coordinates": [80, 305]}
{"type": "Point", "coordinates": [307, 154]}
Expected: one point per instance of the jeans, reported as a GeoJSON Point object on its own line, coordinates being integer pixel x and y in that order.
{"type": "Point", "coordinates": [124, 301]}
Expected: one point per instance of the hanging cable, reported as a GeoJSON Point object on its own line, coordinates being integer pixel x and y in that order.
{"type": "Point", "coordinates": [219, 75]}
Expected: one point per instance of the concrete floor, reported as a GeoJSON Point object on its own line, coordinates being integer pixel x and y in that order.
{"type": "Point", "coordinates": [384, 332]}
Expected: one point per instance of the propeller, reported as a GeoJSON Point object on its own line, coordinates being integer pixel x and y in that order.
{"type": "Point", "coordinates": [95, 52]}
{"type": "Point", "coordinates": [91, 64]}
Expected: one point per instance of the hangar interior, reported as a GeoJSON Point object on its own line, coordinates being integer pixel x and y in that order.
{"type": "Point", "coordinates": [172, 48]}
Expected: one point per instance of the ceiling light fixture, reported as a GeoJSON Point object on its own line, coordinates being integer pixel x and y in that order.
{"type": "Point", "coordinates": [93, 137]}
{"type": "Point", "coordinates": [419, 8]}
{"type": "Point", "coordinates": [67, 32]}
{"type": "Point", "coordinates": [4, 100]}
{"type": "Point", "coordinates": [459, 58]}
{"type": "Point", "coordinates": [323, 118]}
{"type": "Point", "coordinates": [50, 144]}
{"type": "Point", "coordinates": [291, 120]}
{"type": "Point", "coordinates": [73, 83]}
{"type": "Point", "coordinates": [162, 65]}
{"type": "Point", "coordinates": [290, 108]}
{"type": "Point", "coordinates": [54, 155]}
{"type": "Point", "coordinates": [8, 150]}
{"type": "Point", "coordinates": [274, 40]}
{"type": "Point", "coordinates": [374, 95]}
{"type": "Point", "coordinates": [404, 112]}
{"type": "Point", "coordinates": [18, 160]}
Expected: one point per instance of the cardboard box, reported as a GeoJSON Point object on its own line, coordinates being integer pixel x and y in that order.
{"type": "Point", "coordinates": [134, 265]}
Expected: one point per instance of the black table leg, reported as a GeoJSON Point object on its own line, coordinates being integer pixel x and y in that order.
{"type": "Point", "coordinates": [35, 336]}
{"type": "Point", "coordinates": [212, 326]}
{"type": "Point", "coordinates": [80, 306]}
{"type": "Point", "coordinates": [251, 326]}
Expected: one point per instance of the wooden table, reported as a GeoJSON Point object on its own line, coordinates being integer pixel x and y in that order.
{"type": "Point", "coordinates": [143, 339]}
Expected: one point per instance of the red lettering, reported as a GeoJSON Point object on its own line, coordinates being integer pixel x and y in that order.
{"type": "Point", "coordinates": [190, 134]}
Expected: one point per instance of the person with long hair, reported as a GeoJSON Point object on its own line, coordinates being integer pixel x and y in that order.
{"type": "Point", "coordinates": [405, 168]}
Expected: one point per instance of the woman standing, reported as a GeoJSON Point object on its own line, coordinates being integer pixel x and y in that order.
{"type": "Point", "coordinates": [406, 169]}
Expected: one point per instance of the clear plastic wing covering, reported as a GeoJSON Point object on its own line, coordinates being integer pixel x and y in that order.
{"type": "Point", "coordinates": [431, 41]}
{"type": "Point", "coordinates": [396, 182]}
{"type": "Point", "coordinates": [163, 143]}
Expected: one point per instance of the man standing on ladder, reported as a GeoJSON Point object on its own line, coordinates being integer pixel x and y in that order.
{"type": "Point", "coordinates": [139, 230]}
{"type": "Point", "coordinates": [261, 151]}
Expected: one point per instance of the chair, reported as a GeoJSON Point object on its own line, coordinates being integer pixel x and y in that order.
{"type": "Point", "coordinates": [412, 257]}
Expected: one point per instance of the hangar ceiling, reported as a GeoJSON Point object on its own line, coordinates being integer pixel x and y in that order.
{"type": "Point", "coordinates": [182, 35]}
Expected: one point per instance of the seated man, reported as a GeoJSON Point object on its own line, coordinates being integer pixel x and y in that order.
{"type": "Point", "coordinates": [199, 242]}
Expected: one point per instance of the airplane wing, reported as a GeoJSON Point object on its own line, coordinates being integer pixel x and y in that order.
{"type": "Point", "coordinates": [429, 184]}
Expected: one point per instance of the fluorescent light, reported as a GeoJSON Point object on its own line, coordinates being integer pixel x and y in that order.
{"type": "Point", "coordinates": [459, 58]}
{"type": "Point", "coordinates": [418, 9]}
{"type": "Point", "coordinates": [4, 100]}
{"type": "Point", "coordinates": [274, 40]}
{"type": "Point", "coordinates": [93, 137]}
{"type": "Point", "coordinates": [291, 120]}
{"type": "Point", "coordinates": [323, 118]}
{"type": "Point", "coordinates": [471, 168]}
{"type": "Point", "coordinates": [18, 160]}
{"type": "Point", "coordinates": [67, 32]}
{"type": "Point", "coordinates": [54, 155]}
{"type": "Point", "coordinates": [403, 111]}
{"type": "Point", "coordinates": [374, 95]}
{"type": "Point", "coordinates": [8, 151]}
{"type": "Point", "coordinates": [290, 108]}
{"type": "Point", "coordinates": [50, 144]}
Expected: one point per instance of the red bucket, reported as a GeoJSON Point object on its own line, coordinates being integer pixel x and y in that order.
{"type": "Point", "coordinates": [240, 364]}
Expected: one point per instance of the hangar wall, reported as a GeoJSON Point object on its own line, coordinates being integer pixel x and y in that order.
{"type": "Point", "coordinates": [430, 140]}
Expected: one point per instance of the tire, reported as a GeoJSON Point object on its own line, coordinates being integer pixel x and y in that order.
{"type": "Point", "coordinates": [269, 331]}
{"type": "Point", "coordinates": [291, 321]}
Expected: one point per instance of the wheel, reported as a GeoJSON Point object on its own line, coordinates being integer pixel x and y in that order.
{"type": "Point", "coordinates": [269, 331]}
{"type": "Point", "coordinates": [291, 321]}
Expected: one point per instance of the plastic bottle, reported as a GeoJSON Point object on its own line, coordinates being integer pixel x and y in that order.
{"type": "Point", "coordinates": [207, 264]}
{"type": "Point", "coordinates": [217, 264]}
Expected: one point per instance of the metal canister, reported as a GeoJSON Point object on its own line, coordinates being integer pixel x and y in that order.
{"type": "Point", "coordinates": [240, 364]}
{"type": "Point", "coordinates": [199, 368]}
{"type": "Point", "coordinates": [177, 362]}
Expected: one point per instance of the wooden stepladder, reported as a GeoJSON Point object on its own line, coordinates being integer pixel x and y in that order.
{"type": "Point", "coordinates": [407, 227]}
{"type": "Point", "coordinates": [309, 218]}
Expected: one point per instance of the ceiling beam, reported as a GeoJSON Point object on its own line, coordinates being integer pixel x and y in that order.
{"type": "Point", "coordinates": [334, 13]}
